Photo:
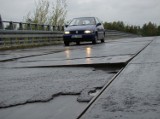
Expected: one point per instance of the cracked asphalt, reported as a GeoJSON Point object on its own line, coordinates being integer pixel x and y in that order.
{"type": "Point", "coordinates": [134, 94]}
{"type": "Point", "coordinates": [42, 74]}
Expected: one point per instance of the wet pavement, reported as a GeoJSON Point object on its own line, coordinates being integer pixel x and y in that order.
{"type": "Point", "coordinates": [21, 86]}
{"type": "Point", "coordinates": [40, 75]}
{"type": "Point", "coordinates": [54, 109]}
{"type": "Point", "coordinates": [118, 51]}
{"type": "Point", "coordinates": [134, 94]}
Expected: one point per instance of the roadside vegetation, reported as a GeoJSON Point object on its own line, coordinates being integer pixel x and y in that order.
{"type": "Point", "coordinates": [48, 13]}
{"type": "Point", "coordinates": [148, 29]}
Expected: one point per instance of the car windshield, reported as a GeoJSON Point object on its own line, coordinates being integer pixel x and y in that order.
{"type": "Point", "coordinates": [82, 21]}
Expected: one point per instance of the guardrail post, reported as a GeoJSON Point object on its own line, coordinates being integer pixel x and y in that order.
{"type": "Point", "coordinates": [1, 27]}
{"type": "Point", "coordinates": [36, 26]}
{"type": "Point", "coordinates": [42, 27]}
{"type": "Point", "coordinates": [29, 26]}
{"type": "Point", "coordinates": [48, 28]}
{"type": "Point", "coordinates": [58, 28]}
{"type": "Point", "coordinates": [20, 26]}
{"type": "Point", "coordinates": [1, 23]}
{"type": "Point", "coordinates": [62, 28]}
{"type": "Point", "coordinates": [54, 28]}
{"type": "Point", "coordinates": [11, 27]}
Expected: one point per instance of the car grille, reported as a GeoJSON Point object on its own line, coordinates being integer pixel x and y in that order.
{"type": "Point", "coordinates": [77, 32]}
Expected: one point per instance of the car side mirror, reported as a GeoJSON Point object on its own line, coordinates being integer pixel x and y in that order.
{"type": "Point", "coordinates": [98, 24]}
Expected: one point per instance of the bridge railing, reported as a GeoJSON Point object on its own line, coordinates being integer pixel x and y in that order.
{"type": "Point", "coordinates": [15, 34]}
{"type": "Point", "coordinates": [114, 34]}
{"type": "Point", "coordinates": [10, 25]}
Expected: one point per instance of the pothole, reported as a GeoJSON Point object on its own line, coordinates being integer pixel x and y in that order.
{"type": "Point", "coordinates": [95, 93]}
{"type": "Point", "coordinates": [88, 81]}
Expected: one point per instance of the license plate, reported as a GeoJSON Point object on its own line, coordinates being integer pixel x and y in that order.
{"type": "Point", "coordinates": [76, 36]}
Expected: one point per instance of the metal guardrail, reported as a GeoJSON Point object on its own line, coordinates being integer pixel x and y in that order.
{"type": "Point", "coordinates": [10, 25]}
{"type": "Point", "coordinates": [24, 34]}
{"type": "Point", "coordinates": [9, 38]}
{"type": "Point", "coordinates": [115, 33]}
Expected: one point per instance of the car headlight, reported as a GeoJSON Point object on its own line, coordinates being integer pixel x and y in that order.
{"type": "Point", "coordinates": [87, 31]}
{"type": "Point", "coordinates": [66, 32]}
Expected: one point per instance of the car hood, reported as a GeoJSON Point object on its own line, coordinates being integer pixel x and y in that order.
{"type": "Point", "coordinates": [85, 27]}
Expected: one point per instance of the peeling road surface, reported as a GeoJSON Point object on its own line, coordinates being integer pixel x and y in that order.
{"type": "Point", "coordinates": [58, 82]}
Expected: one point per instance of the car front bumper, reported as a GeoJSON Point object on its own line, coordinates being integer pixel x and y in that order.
{"type": "Point", "coordinates": [78, 37]}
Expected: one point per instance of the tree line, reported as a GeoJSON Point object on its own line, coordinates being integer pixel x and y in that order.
{"type": "Point", "coordinates": [148, 29]}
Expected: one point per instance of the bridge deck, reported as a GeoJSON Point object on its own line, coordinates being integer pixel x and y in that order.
{"type": "Point", "coordinates": [134, 94]}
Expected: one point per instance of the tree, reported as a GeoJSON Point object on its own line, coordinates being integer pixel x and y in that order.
{"type": "Point", "coordinates": [40, 15]}
{"type": "Point", "coordinates": [59, 12]}
{"type": "Point", "coordinates": [149, 29]}
{"type": "Point", "coordinates": [158, 31]}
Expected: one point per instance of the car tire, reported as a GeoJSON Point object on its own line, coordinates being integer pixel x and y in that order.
{"type": "Point", "coordinates": [94, 41]}
{"type": "Point", "coordinates": [102, 40]}
{"type": "Point", "coordinates": [78, 43]}
{"type": "Point", "coordinates": [66, 43]}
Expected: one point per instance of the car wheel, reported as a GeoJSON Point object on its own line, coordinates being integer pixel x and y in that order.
{"type": "Point", "coordinates": [94, 41]}
{"type": "Point", "coordinates": [102, 40]}
{"type": "Point", "coordinates": [66, 43]}
{"type": "Point", "coordinates": [78, 43]}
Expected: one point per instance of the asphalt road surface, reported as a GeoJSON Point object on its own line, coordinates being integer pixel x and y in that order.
{"type": "Point", "coordinates": [58, 82]}
{"type": "Point", "coordinates": [135, 92]}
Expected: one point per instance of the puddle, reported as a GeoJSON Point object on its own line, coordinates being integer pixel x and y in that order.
{"type": "Point", "coordinates": [61, 107]}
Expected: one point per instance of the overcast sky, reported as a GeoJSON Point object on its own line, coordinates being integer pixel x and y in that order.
{"type": "Point", "coordinates": [133, 12]}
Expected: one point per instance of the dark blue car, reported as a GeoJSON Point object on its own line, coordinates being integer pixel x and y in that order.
{"type": "Point", "coordinates": [84, 29]}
